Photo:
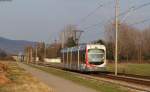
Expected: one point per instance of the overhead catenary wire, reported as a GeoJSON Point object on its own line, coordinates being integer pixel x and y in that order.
{"type": "Point", "coordinates": [92, 12]}
{"type": "Point", "coordinates": [136, 23]}
{"type": "Point", "coordinates": [139, 22]}
{"type": "Point", "coordinates": [91, 26]}
{"type": "Point", "coordinates": [133, 8]}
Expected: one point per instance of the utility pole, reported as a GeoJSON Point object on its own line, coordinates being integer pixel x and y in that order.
{"type": "Point", "coordinates": [36, 50]}
{"type": "Point", "coordinates": [78, 34]}
{"type": "Point", "coordinates": [31, 57]}
{"type": "Point", "coordinates": [62, 39]}
{"type": "Point", "coordinates": [117, 28]}
{"type": "Point", "coordinates": [28, 55]}
{"type": "Point", "coordinates": [44, 50]}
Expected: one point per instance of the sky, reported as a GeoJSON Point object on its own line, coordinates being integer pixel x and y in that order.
{"type": "Point", "coordinates": [43, 20]}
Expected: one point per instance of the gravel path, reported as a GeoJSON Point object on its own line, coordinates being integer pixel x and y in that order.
{"type": "Point", "coordinates": [59, 84]}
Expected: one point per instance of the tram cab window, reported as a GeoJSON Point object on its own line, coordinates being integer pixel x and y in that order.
{"type": "Point", "coordinates": [95, 55]}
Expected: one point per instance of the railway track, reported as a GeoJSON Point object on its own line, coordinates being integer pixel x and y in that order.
{"type": "Point", "coordinates": [131, 81]}
{"type": "Point", "coordinates": [129, 75]}
{"type": "Point", "coordinates": [121, 81]}
{"type": "Point", "coordinates": [125, 78]}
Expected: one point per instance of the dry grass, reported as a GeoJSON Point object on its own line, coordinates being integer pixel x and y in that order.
{"type": "Point", "coordinates": [21, 81]}
{"type": "Point", "coordinates": [3, 72]}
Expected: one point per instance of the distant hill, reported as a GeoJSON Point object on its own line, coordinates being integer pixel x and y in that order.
{"type": "Point", "coordinates": [14, 46]}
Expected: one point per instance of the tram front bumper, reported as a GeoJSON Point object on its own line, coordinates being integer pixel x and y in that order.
{"type": "Point", "coordinates": [95, 69]}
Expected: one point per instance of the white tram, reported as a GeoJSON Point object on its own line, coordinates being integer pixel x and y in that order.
{"type": "Point", "coordinates": [85, 58]}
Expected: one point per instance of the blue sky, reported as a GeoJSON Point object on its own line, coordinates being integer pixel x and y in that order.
{"type": "Point", "coordinates": [42, 20]}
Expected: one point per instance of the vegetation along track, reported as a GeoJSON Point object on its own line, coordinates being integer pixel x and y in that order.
{"type": "Point", "coordinates": [129, 75]}
{"type": "Point", "coordinates": [137, 82]}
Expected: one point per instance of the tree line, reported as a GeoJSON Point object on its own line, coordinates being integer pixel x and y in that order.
{"type": "Point", "coordinates": [133, 44]}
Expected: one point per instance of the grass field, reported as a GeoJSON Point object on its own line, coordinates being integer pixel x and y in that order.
{"type": "Point", "coordinates": [21, 81]}
{"type": "Point", "coordinates": [131, 68]}
{"type": "Point", "coordinates": [99, 86]}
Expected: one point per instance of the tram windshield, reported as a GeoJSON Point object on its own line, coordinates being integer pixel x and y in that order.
{"type": "Point", "coordinates": [95, 55]}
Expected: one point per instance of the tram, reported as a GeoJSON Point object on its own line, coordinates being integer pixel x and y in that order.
{"type": "Point", "coordinates": [84, 58]}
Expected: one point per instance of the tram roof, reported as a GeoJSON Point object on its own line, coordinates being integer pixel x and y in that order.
{"type": "Point", "coordinates": [76, 48]}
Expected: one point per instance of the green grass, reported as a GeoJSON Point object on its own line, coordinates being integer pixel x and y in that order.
{"type": "Point", "coordinates": [94, 84]}
{"type": "Point", "coordinates": [128, 68]}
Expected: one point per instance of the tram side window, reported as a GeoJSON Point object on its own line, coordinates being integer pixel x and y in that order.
{"type": "Point", "coordinates": [65, 57]}
{"type": "Point", "coordinates": [73, 57]}
{"type": "Point", "coordinates": [82, 56]}
{"type": "Point", "coordinates": [62, 58]}
{"type": "Point", "coordinates": [76, 56]}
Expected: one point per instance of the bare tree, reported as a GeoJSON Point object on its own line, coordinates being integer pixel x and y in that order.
{"type": "Point", "coordinates": [146, 43]}
{"type": "Point", "coordinates": [53, 50]}
{"type": "Point", "coordinates": [130, 42]}
{"type": "Point", "coordinates": [28, 54]}
{"type": "Point", "coordinates": [70, 32]}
